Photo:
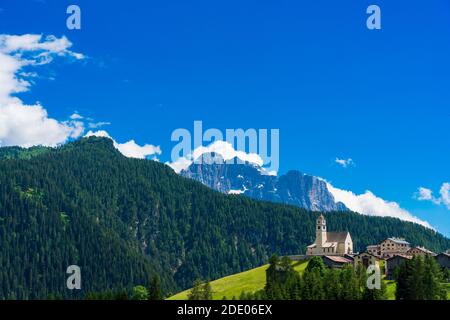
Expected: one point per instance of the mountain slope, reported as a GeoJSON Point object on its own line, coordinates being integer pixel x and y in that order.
{"type": "Point", "coordinates": [254, 280]}
{"type": "Point", "coordinates": [237, 177]}
{"type": "Point", "coordinates": [122, 220]}
{"type": "Point", "coordinates": [231, 286]}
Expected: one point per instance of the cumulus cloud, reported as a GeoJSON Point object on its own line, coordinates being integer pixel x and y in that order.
{"type": "Point", "coordinates": [225, 150]}
{"type": "Point", "coordinates": [45, 48]}
{"type": "Point", "coordinates": [345, 162]}
{"type": "Point", "coordinates": [129, 149]}
{"type": "Point", "coordinates": [22, 124]}
{"type": "Point", "coordinates": [369, 204]}
{"type": "Point", "coordinates": [425, 194]}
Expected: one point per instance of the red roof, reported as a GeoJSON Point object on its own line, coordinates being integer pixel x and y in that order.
{"type": "Point", "coordinates": [338, 259]}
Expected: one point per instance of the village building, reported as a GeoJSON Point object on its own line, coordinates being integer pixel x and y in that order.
{"type": "Point", "coordinates": [366, 259]}
{"type": "Point", "coordinates": [374, 250]}
{"type": "Point", "coordinates": [420, 251]}
{"type": "Point", "coordinates": [349, 256]}
{"type": "Point", "coordinates": [336, 261]}
{"type": "Point", "coordinates": [389, 248]}
{"type": "Point", "coordinates": [443, 259]}
{"type": "Point", "coordinates": [329, 243]}
{"type": "Point", "coordinates": [393, 263]}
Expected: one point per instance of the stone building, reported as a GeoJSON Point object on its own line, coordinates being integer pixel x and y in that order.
{"type": "Point", "coordinates": [329, 243]}
{"type": "Point", "coordinates": [420, 251]}
{"type": "Point", "coordinates": [389, 248]}
{"type": "Point", "coordinates": [393, 263]}
{"type": "Point", "coordinates": [366, 259]}
{"type": "Point", "coordinates": [336, 261]}
{"type": "Point", "coordinates": [443, 259]}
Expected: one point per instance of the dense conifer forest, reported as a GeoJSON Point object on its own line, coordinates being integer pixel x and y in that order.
{"type": "Point", "coordinates": [123, 221]}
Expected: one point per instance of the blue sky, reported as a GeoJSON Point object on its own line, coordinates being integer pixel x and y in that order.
{"type": "Point", "coordinates": [310, 68]}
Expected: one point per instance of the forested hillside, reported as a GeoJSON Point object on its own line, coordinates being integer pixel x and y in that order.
{"type": "Point", "coordinates": [123, 220]}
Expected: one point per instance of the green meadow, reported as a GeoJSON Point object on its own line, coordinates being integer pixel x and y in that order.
{"type": "Point", "coordinates": [232, 286]}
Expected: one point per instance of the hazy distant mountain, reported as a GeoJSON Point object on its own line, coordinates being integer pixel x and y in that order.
{"type": "Point", "coordinates": [249, 179]}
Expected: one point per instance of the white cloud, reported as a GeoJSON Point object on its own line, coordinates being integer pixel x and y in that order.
{"type": "Point", "coordinates": [29, 125]}
{"type": "Point", "coordinates": [369, 204]}
{"type": "Point", "coordinates": [76, 116]}
{"type": "Point", "coordinates": [223, 148]}
{"type": "Point", "coordinates": [425, 194]}
{"type": "Point", "coordinates": [96, 125]}
{"type": "Point", "coordinates": [180, 164]}
{"type": "Point", "coordinates": [22, 124]}
{"type": "Point", "coordinates": [129, 149]}
{"type": "Point", "coordinates": [44, 47]}
{"type": "Point", "coordinates": [345, 162]}
{"type": "Point", "coordinates": [445, 194]}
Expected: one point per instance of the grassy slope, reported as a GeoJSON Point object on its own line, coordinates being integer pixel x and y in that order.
{"type": "Point", "coordinates": [255, 279]}
{"type": "Point", "coordinates": [247, 281]}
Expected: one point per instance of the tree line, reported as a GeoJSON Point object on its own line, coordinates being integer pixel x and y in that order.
{"type": "Point", "coordinates": [421, 279]}
{"type": "Point", "coordinates": [317, 282]}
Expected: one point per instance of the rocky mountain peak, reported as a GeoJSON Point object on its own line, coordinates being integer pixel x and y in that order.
{"type": "Point", "coordinates": [238, 177]}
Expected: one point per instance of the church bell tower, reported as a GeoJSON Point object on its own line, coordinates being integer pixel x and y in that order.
{"type": "Point", "coordinates": [321, 230]}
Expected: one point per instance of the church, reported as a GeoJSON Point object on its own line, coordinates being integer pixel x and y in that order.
{"type": "Point", "coordinates": [329, 243]}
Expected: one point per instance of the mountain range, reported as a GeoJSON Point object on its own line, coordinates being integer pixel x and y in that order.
{"type": "Point", "coordinates": [249, 179]}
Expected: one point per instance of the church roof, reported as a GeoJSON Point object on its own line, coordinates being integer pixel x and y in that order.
{"type": "Point", "coordinates": [336, 236]}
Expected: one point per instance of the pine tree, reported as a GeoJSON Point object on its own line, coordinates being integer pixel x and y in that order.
{"type": "Point", "coordinates": [333, 286]}
{"type": "Point", "coordinates": [416, 281]}
{"type": "Point", "coordinates": [433, 279]}
{"type": "Point", "coordinates": [401, 277]}
{"type": "Point", "coordinates": [196, 292]}
{"type": "Point", "coordinates": [420, 279]}
{"type": "Point", "coordinates": [207, 291]}
{"type": "Point", "coordinates": [295, 287]}
{"type": "Point", "coordinates": [313, 288]}
{"type": "Point", "coordinates": [200, 291]}
{"type": "Point", "coordinates": [446, 274]}
{"type": "Point", "coordinates": [154, 290]}
{"type": "Point", "coordinates": [350, 286]}
{"type": "Point", "coordinates": [375, 294]}
{"type": "Point", "coordinates": [316, 263]}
